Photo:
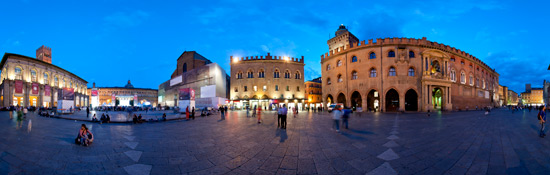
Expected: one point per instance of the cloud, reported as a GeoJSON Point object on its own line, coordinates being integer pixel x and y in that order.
{"type": "Point", "coordinates": [126, 19]}
{"type": "Point", "coordinates": [516, 71]}
{"type": "Point", "coordinates": [310, 73]}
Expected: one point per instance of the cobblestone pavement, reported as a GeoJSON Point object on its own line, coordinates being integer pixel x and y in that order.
{"type": "Point", "coordinates": [118, 116]}
{"type": "Point", "coordinates": [448, 143]}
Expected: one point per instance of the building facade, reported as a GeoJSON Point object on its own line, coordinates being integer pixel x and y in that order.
{"type": "Point", "coordinates": [546, 92]}
{"type": "Point", "coordinates": [513, 98]}
{"type": "Point", "coordinates": [267, 82]}
{"type": "Point", "coordinates": [28, 81]}
{"type": "Point", "coordinates": [404, 74]}
{"type": "Point", "coordinates": [194, 71]}
{"type": "Point", "coordinates": [532, 96]}
{"type": "Point", "coordinates": [127, 95]}
{"type": "Point", "coordinates": [314, 93]}
{"type": "Point", "coordinates": [502, 95]}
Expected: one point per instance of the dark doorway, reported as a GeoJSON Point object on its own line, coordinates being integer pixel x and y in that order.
{"type": "Point", "coordinates": [341, 99]}
{"type": "Point", "coordinates": [411, 100]}
{"type": "Point", "coordinates": [392, 100]}
{"type": "Point", "coordinates": [373, 101]}
{"type": "Point", "coordinates": [356, 100]}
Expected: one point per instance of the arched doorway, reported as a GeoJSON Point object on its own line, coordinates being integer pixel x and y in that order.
{"type": "Point", "coordinates": [341, 99]}
{"type": "Point", "coordinates": [330, 100]}
{"type": "Point", "coordinates": [356, 100]}
{"type": "Point", "coordinates": [437, 98]}
{"type": "Point", "coordinates": [411, 100]}
{"type": "Point", "coordinates": [373, 100]}
{"type": "Point", "coordinates": [392, 100]}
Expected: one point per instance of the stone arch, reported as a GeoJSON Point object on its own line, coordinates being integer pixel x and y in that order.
{"type": "Point", "coordinates": [356, 100]}
{"type": "Point", "coordinates": [329, 100]}
{"type": "Point", "coordinates": [341, 98]}
{"type": "Point", "coordinates": [411, 100]}
{"type": "Point", "coordinates": [392, 100]}
{"type": "Point", "coordinates": [373, 100]}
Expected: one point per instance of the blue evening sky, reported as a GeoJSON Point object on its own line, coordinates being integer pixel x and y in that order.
{"type": "Point", "coordinates": [109, 42]}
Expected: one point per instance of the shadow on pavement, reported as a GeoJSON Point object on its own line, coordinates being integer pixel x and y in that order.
{"type": "Point", "coordinates": [360, 132]}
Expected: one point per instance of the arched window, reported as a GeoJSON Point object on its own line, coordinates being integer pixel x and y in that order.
{"type": "Point", "coordinates": [471, 80]}
{"type": "Point", "coordinates": [453, 75]}
{"type": "Point", "coordinates": [33, 75]}
{"type": "Point", "coordinates": [261, 74]}
{"type": "Point", "coordinates": [240, 75]}
{"type": "Point", "coordinates": [353, 59]}
{"type": "Point", "coordinates": [298, 75]}
{"type": "Point", "coordinates": [55, 81]}
{"type": "Point", "coordinates": [354, 75]}
{"type": "Point", "coordinates": [328, 81]}
{"type": "Point", "coordinates": [328, 67]}
{"type": "Point", "coordinates": [46, 80]}
{"type": "Point", "coordinates": [287, 74]}
{"type": "Point", "coordinates": [339, 78]}
{"type": "Point", "coordinates": [373, 72]}
{"type": "Point", "coordinates": [411, 54]}
{"type": "Point", "coordinates": [462, 77]}
{"type": "Point", "coordinates": [64, 83]}
{"type": "Point", "coordinates": [411, 72]}
{"type": "Point", "coordinates": [392, 72]}
{"type": "Point", "coordinates": [250, 74]}
{"type": "Point", "coordinates": [184, 67]}
{"type": "Point", "coordinates": [391, 53]}
{"type": "Point", "coordinates": [18, 73]}
{"type": "Point", "coordinates": [276, 73]}
{"type": "Point", "coordinates": [372, 55]}
{"type": "Point", "coordinates": [339, 63]}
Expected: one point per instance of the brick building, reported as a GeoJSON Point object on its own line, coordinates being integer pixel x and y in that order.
{"type": "Point", "coordinates": [404, 74]}
{"type": "Point", "coordinates": [314, 93]}
{"type": "Point", "coordinates": [267, 81]}
{"type": "Point", "coordinates": [532, 96]}
{"type": "Point", "coordinates": [513, 98]}
{"type": "Point", "coordinates": [28, 81]}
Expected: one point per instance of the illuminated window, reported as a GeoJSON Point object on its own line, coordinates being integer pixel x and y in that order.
{"type": "Point", "coordinates": [33, 75]}
{"type": "Point", "coordinates": [46, 80]}
{"type": "Point", "coordinates": [18, 73]}
{"type": "Point", "coordinates": [354, 75]}
{"type": "Point", "coordinates": [265, 88]}
{"type": "Point", "coordinates": [255, 88]}
{"type": "Point", "coordinates": [392, 72]}
{"type": "Point", "coordinates": [373, 72]}
{"type": "Point", "coordinates": [391, 54]}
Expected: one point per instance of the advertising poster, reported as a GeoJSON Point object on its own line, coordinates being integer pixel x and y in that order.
{"type": "Point", "coordinates": [135, 98]}
{"type": "Point", "coordinates": [68, 94]}
{"type": "Point", "coordinates": [47, 90]}
{"type": "Point", "coordinates": [94, 93]}
{"type": "Point", "coordinates": [34, 89]}
{"type": "Point", "coordinates": [113, 97]}
{"type": "Point", "coordinates": [187, 94]}
{"type": "Point", "coordinates": [19, 86]}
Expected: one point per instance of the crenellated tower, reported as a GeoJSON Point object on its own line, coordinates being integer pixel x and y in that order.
{"type": "Point", "coordinates": [44, 53]}
{"type": "Point", "coordinates": [342, 38]}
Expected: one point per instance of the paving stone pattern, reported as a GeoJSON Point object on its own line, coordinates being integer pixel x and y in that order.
{"type": "Point", "coordinates": [389, 143]}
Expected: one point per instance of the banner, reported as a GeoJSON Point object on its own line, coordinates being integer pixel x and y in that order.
{"type": "Point", "coordinates": [47, 90]}
{"type": "Point", "coordinates": [187, 94]}
{"type": "Point", "coordinates": [34, 89]}
{"type": "Point", "coordinates": [68, 94]}
{"type": "Point", "coordinates": [94, 93]}
{"type": "Point", "coordinates": [18, 86]}
{"type": "Point", "coordinates": [113, 97]}
{"type": "Point", "coordinates": [135, 99]}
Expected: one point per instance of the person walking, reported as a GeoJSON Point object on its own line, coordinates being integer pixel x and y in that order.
{"type": "Point", "coordinates": [87, 112]}
{"type": "Point", "coordinates": [345, 117]}
{"type": "Point", "coordinates": [260, 115]}
{"type": "Point", "coordinates": [247, 112]}
{"type": "Point", "coordinates": [193, 113]}
{"type": "Point", "coordinates": [542, 118]}
{"type": "Point", "coordinates": [336, 116]}
{"type": "Point", "coordinates": [187, 113]}
{"type": "Point", "coordinates": [280, 116]}
{"type": "Point", "coordinates": [221, 113]}
{"type": "Point", "coordinates": [283, 117]}
{"type": "Point", "coordinates": [254, 111]}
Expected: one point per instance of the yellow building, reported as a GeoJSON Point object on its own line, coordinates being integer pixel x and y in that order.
{"type": "Point", "coordinates": [267, 82]}
{"type": "Point", "coordinates": [314, 93]}
{"type": "Point", "coordinates": [28, 81]}
{"type": "Point", "coordinates": [126, 96]}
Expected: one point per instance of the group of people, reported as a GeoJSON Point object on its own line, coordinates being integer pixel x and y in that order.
{"type": "Point", "coordinates": [339, 113]}
{"type": "Point", "coordinates": [190, 115]}
{"type": "Point", "coordinates": [104, 118]}
{"type": "Point", "coordinates": [256, 112]}
{"type": "Point", "coordinates": [85, 137]}
{"type": "Point", "coordinates": [223, 111]}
